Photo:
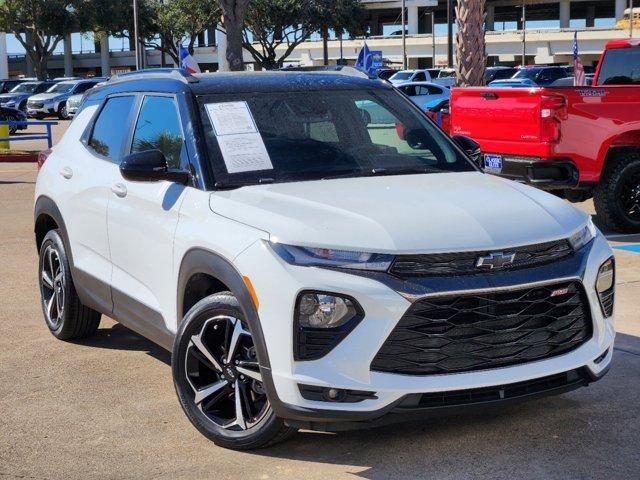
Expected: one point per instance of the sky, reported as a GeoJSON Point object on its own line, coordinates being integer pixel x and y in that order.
{"type": "Point", "coordinates": [84, 42]}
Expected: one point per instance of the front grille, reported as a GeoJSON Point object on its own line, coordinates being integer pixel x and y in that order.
{"type": "Point", "coordinates": [35, 105]}
{"type": "Point", "coordinates": [464, 263]}
{"type": "Point", "coordinates": [486, 330]}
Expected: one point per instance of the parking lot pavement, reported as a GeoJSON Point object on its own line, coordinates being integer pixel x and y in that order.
{"type": "Point", "coordinates": [36, 145]}
{"type": "Point", "coordinates": [106, 407]}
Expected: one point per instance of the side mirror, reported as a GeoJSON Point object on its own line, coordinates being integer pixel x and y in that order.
{"type": "Point", "coordinates": [470, 147]}
{"type": "Point", "coordinates": [150, 166]}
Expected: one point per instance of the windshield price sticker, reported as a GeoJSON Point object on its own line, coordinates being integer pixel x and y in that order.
{"type": "Point", "coordinates": [241, 144]}
{"type": "Point", "coordinates": [231, 118]}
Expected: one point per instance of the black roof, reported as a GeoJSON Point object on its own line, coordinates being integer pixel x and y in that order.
{"type": "Point", "coordinates": [235, 82]}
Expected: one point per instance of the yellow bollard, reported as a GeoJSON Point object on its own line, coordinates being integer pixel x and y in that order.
{"type": "Point", "coordinates": [4, 133]}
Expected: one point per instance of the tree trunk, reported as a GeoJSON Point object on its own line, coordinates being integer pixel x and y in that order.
{"type": "Point", "coordinates": [234, 12]}
{"type": "Point", "coordinates": [325, 45]}
{"type": "Point", "coordinates": [471, 54]}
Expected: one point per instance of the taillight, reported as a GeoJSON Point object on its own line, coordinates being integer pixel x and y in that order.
{"type": "Point", "coordinates": [400, 130]}
{"type": "Point", "coordinates": [42, 157]}
{"type": "Point", "coordinates": [551, 107]}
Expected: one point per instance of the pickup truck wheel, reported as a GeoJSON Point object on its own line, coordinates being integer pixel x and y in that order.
{"type": "Point", "coordinates": [64, 313]}
{"type": "Point", "coordinates": [218, 380]}
{"type": "Point", "coordinates": [617, 196]}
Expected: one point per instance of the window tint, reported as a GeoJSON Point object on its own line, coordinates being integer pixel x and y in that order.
{"type": "Point", "coordinates": [109, 131]}
{"type": "Point", "coordinates": [420, 77]}
{"type": "Point", "coordinates": [620, 66]}
{"type": "Point", "coordinates": [158, 127]}
{"type": "Point", "coordinates": [409, 90]}
{"type": "Point", "coordinates": [83, 87]}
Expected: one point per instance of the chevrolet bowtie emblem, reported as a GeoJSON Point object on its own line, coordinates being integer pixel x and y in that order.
{"type": "Point", "coordinates": [496, 260]}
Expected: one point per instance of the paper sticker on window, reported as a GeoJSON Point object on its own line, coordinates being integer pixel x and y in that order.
{"type": "Point", "coordinates": [231, 118]}
{"type": "Point", "coordinates": [244, 153]}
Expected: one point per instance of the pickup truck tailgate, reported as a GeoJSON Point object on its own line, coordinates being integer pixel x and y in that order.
{"type": "Point", "coordinates": [509, 114]}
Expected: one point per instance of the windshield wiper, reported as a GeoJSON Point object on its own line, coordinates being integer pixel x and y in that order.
{"type": "Point", "coordinates": [404, 170]}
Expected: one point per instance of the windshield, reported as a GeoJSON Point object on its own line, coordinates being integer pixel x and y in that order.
{"type": "Point", "coordinates": [316, 135]}
{"type": "Point", "coordinates": [620, 66]}
{"type": "Point", "coordinates": [61, 88]}
{"type": "Point", "coordinates": [530, 73]}
{"type": "Point", "coordinates": [25, 88]}
{"type": "Point", "coordinates": [401, 76]}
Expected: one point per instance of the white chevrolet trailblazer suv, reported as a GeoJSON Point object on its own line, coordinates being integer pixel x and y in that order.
{"type": "Point", "coordinates": [315, 252]}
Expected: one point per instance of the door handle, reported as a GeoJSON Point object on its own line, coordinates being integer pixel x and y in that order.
{"type": "Point", "coordinates": [66, 172]}
{"type": "Point", "coordinates": [119, 189]}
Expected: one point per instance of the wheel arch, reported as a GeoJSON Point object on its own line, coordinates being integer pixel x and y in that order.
{"type": "Point", "coordinates": [627, 139]}
{"type": "Point", "coordinates": [202, 273]}
{"type": "Point", "coordinates": [47, 217]}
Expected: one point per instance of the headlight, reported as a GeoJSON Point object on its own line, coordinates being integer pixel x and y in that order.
{"type": "Point", "coordinates": [326, 257]}
{"type": "Point", "coordinates": [583, 236]}
{"type": "Point", "coordinates": [605, 286]}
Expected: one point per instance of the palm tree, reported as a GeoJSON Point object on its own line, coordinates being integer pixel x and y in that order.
{"type": "Point", "coordinates": [471, 53]}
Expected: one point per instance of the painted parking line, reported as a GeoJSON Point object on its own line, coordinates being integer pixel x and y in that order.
{"type": "Point", "coordinates": [629, 248]}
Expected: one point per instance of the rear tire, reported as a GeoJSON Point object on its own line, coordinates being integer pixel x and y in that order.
{"type": "Point", "coordinates": [617, 196]}
{"type": "Point", "coordinates": [218, 380]}
{"type": "Point", "coordinates": [12, 128]}
{"type": "Point", "coordinates": [64, 313]}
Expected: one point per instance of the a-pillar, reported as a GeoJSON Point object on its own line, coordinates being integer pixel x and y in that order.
{"type": "Point", "coordinates": [489, 22]}
{"type": "Point", "coordinates": [621, 5]}
{"type": "Point", "coordinates": [68, 57]}
{"type": "Point", "coordinates": [565, 13]}
{"type": "Point", "coordinates": [412, 20]}
{"type": "Point", "coordinates": [105, 66]}
{"type": "Point", "coordinates": [221, 37]}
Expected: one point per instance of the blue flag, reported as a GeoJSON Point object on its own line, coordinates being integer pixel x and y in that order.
{"type": "Point", "coordinates": [364, 58]}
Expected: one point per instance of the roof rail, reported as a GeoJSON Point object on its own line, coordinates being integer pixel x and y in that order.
{"type": "Point", "coordinates": [156, 73]}
{"type": "Point", "coordinates": [338, 69]}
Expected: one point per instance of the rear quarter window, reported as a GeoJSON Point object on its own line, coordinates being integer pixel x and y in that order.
{"type": "Point", "coordinates": [620, 66]}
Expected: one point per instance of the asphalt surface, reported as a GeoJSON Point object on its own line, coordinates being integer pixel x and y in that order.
{"type": "Point", "coordinates": [106, 408]}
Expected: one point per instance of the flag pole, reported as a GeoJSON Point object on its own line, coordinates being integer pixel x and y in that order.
{"type": "Point", "coordinates": [404, 36]}
{"type": "Point", "coordinates": [136, 33]}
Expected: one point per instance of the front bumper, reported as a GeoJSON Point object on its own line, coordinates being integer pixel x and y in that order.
{"type": "Point", "coordinates": [545, 174]}
{"type": "Point", "coordinates": [384, 302]}
{"type": "Point", "coordinates": [46, 109]}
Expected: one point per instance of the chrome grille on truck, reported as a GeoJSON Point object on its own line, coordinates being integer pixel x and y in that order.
{"type": "Point", "coordinates": [477, 331]}
{"type": "Point", "coordinates": [464, 263]}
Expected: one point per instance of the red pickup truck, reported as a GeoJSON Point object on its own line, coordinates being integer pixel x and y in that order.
{"type": "Point", "coordinates": [578, 141]}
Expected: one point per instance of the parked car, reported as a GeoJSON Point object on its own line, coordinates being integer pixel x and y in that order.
{"type": "Point", "coordinates": [422, 93]}
{"type": "Point", "coordinates": [513, 83]}
{"type": "Point", "coordinates": [386, 73]}
{"type": "Point", "coordinates": [405, 76]}
{"type": "Point", "coordinates": [73, 102]}
{"type": "Point", "coordinates": [498, 73]}
{"type": "Point", "coordinates": [18, 96]}
{"type": "Point", "coordinates": [541, 76]}
{"type": "Point", "coordinates": [53, 101]}
{"type": "Point", "coordinates": [568, 81]}
{"type": "Point", "coordinates": [308, 269]}
{"type": "Point", "coordinates": [577, 141]}
{"type": "Point", "coordinates": [13, 115]}
{"type": "Point", "coordinates": [7, 85]}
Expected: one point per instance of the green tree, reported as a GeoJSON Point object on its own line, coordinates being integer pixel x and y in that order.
{"type": "Point", "coordinates": [39, 25]}
{"type": "Point", "coordinates": [274, 28]}
{"type": "Point", "coordinates": [179, 21]}
{"type": "Point", "coordinates": [233, 19]}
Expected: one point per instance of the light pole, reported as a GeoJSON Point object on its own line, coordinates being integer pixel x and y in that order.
{"type": "Point", "coordinates": [631, 18]}
{"type": "Point", "coordinates": [404, 36]}
{"type": "Point", "coordinates": [450, 33]}
{"type": "Point", "coordinates": [524, 34]}
{"type": "Point", "coordinates": [433, 38]}
{"type": "Point", "coordinates": [135, 33]}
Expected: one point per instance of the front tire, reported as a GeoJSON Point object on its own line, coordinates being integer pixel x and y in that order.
{"type": "Point", "coordinates": [64, 313]}
{"type": "Point", "coordinates": [617, 196]}
{"type": "Point", "coordinates": [63, 114]}
{"type": "Point", "coordinates": [218, 380]}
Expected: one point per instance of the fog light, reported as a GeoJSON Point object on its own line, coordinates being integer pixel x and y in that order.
{"type": "Point", "coordinates": [605, 286]}
{"type": "Point", "coordinates": [320, 310]}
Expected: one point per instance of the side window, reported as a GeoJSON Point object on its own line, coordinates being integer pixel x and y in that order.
{"type": "Point", "coordinates": [409, 90]}
{"type": "Point", "coordinates": [419, 77]}
{"type": "Point", "coordinates": [158, 127]}
{"type": "Point", "coordinates": [109, 129]}
{"type": "Point", "coordinates": [435, 90]}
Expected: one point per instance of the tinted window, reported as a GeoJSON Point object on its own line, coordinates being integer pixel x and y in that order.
{"type": "Point", "coordinates": [109, 130]}
{"type": "Point", "coordinates": [420, 77]}
{"type": "Point", "coordinates": [83, 87]}
{"type": "Point", "coordinates": [409, 90]}
{"type": "Point", "coordinates": [158, 127]}
{"type": "Point", "coordinates": [620, 66]}
{"type": "Point", "coordinates": [324, 134]}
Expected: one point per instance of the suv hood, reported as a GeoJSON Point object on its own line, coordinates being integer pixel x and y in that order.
{"type": "Point", "coordinates": [5, 97]}
{"type": "Point", "coordinates": [444, 212]}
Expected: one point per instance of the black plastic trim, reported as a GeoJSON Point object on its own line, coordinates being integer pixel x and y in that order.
{"type": "Point", "coordinates": [546, 174]}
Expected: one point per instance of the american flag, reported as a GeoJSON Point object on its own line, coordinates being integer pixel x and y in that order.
{"type": "Point", "coordinates": [578, 69]}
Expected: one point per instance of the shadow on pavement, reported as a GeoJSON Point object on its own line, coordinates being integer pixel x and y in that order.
{"type": "Point", "coordinates": [15, 182]}
{"type": "Point", "coordinates": [119, 337]}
